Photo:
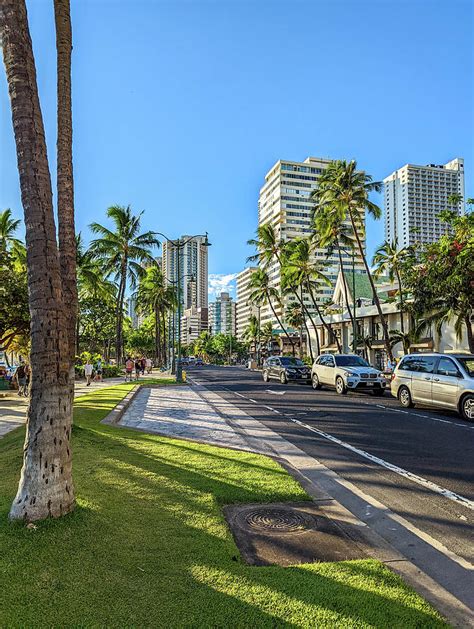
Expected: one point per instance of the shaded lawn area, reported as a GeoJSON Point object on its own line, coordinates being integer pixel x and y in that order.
{"type": "Point", "coordinates": [148, 545]}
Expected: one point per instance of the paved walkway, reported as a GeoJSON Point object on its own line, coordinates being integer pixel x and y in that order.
{"type": "Point", "coordinates": [178, 411]}
{"type": "Point", "coordinates": [13, 408]}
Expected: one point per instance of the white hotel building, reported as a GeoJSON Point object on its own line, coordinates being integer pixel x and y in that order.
{"type": "Point", "coordinates": [285, 203]}
{"type": "Point", "coordinates": [415, 195]}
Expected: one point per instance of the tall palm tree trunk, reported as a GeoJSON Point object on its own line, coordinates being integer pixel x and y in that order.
{"type": "Point", "coordinates": [402, 305]}
{"type": "Point", "coordinates": [157, 336]}
{"type": "Point", "coordinates": [45, 487]}
{"type": "Point", "coordinates": [308, 314]}
{"type": "Point", "coordinates": [344, 284]}
{"type": "Point", "coordinates": [119, 314]}
{"type": "Point", "coordinates": [65, 182]}
{"type": "Point", "coordinates": [164, 346]}
{"type": "Point", "coordinates": [323, 321]}
{"type": "Point", "coordinates": [281, 325]}
{"type": "Point", "coordinates": [386, 336]}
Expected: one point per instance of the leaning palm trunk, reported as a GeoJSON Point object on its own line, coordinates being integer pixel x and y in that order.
{"type": "Point", "coordinates": [402, 306]}
{"type": "Point", "coordinates": [119, 314]}
{"type": "Point", "coordinates": [383, 321]}
{"type": "Point", "coordinates": [157, 336]}
{"type": "Point", "coordinates": [281, 324]}
{"type": "Point", "coordinates": [344, 283]}
{"type": "Point", "coordinates": [323, 321]}
{"type": "Point", "coordinates": [45, 487]}
{"type": "Point", "coordinates": [308, 314]}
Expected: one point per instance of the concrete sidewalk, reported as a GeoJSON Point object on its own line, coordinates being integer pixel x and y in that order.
{"type": "Point", "coordinates": [13, 407]}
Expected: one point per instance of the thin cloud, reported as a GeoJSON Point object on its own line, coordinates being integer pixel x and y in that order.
{"type": "Point", "coordinates": [221, 283]}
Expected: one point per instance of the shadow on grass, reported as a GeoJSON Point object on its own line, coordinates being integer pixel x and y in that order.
{"type": "Point", "coordinates": [148, 545]}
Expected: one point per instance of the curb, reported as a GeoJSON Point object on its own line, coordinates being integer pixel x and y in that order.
{"type": "Point", "coordinates": [117, 412]}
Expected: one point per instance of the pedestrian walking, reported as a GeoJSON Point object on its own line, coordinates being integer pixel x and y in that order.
{"type": "Point", "coordinates": [143, 364]}
{"type": "Point", "coordinates": [149, 365]}
{"type": "Point", "coordinates": [88, 371]}
{"type": "Point", "coordinates": [20, 376]}
{"type": "Point", "coordinates": [99, 369]}
{"type": "Point", "coordinates": [138, 368]}
{"type": "Point", "coordinates": [129, 364]}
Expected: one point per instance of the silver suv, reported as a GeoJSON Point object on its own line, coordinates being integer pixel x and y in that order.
{"type": "Point", "coordinates": [441, 380]}
{"type": "Point", "coordinates": [346, 372]}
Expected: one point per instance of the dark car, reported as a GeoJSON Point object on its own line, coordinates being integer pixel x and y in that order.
{"type": "Point", "coordinates": [199, 362]}
{"type": "Point", "coordinates": [286, 368]}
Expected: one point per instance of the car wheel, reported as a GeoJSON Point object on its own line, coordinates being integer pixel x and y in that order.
{"type": "Point", "coordinates": [283, 378]}
{"type": "Point", "coordinates": [404, 397]}
{"type": "Point", "coordinates": [315, 382]}
{"type": "Point", "coordinates": [467, 407]}
{"type": "Point", "coordinates": [340, 386]}
{"type": "Point", "coordinates": [265, 376]}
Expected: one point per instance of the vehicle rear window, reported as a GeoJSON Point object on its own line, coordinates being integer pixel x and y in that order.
{"type": "Point", "coordinates": [468, 364]}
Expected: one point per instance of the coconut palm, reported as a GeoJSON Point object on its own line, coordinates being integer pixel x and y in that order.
{"type": "Point", "coordinates": [343, 194]}
{"type": "Point", "coordinates": [65, 182]}
{"type": "Point", "coordinates": [45, 488]}
{"type": "Point", "coordinates": [295, 316]}
{"type": "Point", "coordinates": [155, 296]}
{"type": "Point", "coordinates": [366, 342]}
{"type": "Point", "coordinates": [267, 244]}
{"type": "Point", "coordinates": [123, 253]}
{"type": "Point", "coordinates": [388, 260]}
{"type": "Point", "coordinates": [262, 293]}
{"type": "Point", "coordinates": [332, 232]}
{"type": "Point", "coordinates": [302, 270]}
{"type": "Point", "coordinates": [8, 227]}
{"type": "Point", "coordinates": [406, 339]}
{"type": "Point", "coordinates": [267, 333]}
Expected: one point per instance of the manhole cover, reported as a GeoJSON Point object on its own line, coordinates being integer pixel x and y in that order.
{"type": "Point", "coordinates": [277, 520]}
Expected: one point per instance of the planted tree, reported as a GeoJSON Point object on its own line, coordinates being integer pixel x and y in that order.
{"type": "Point", "coordinates": [45, 487]}
{"type": "Point", "coordinates": [389, 260]}
{"type": "Point", "coordinates": [123, 253]}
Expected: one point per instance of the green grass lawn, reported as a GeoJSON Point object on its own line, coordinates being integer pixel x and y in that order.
{"type": "Point", "coordinates": [148, 545]}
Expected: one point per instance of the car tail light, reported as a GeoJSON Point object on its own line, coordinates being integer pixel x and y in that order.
{"type": "Point", "coordinates": [392, 376]}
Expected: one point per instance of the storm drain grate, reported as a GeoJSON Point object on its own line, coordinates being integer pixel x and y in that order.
{"type": "Point", "coordinates": [292, 533]}
{"type": "Point", "coordinates": [278, 520]}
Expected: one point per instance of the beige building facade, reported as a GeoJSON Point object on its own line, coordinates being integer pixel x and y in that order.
{"type": "Point", "coordinates": [285, 203]}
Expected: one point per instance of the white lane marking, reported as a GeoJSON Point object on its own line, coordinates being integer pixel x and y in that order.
{"type": "Point", "coordinates": [435, 419]}
{"type": "Point", "coordinates": [239, 394]}
{"type": "Point", "coordinates": [393, 468]}
{"type": "Point", "coordinates": [250, 400]}
{"type": "Point", "coordinates": [275, 392]}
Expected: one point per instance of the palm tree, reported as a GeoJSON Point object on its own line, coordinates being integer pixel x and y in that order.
{"type": "Point", "coordinates": [406, 339]}
{"type": "Point", "coordinates": [65, 182]}
{"type": "Point", "coordinates": [123, 253]}
{"type": "Point", "coordinates": [267, 332]}
{"type": "Point", "coordinates": [8, 227]}
{"type": "Point", "coordinates": [155, 296]}
{"type": "Point", "coordinates": [343, 192]}
{"type": "Point", "coordinates": [388, 259]}
{"type": "Point", "coordinates": [332, 232]}
{"type": "Point", "coordinates": [301, 270]}
{"type": "Point", "coordinates": [45, 488]}
{"type": "Point", "coordinates": [366, 341]}
{"type": "Point", "coordinates": [295, 317]}
{"type": "Point", "coordinates": [262, 293]}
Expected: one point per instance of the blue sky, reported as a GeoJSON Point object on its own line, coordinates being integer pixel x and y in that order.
{"type": "Point", "coordinates": [181, 107]}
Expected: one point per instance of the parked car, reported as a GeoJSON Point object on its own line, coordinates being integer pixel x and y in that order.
{"type": "Point", "coordinates": [285, 368]}
{"type": "Point", "coordinates": [347, 372]}
{"type": "Point", "coordinates": [199, 362]}
{"type": "Point", "coordinates": [439, 380]}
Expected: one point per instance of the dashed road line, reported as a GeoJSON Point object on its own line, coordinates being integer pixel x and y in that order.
{"type": "Point", "coordinates": [390, 466]}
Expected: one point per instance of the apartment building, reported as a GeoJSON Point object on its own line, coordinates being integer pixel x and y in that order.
{"type": "Point", "coordinates": [193, 271]}
{"type": "Point", "coordinates": [285, 203]}
{"type": "Point", "coordinates": [415, 195]}
{"type": "Point", "coordinates": [222, 315]}
{"type": "Point", "coordinates": [193, 322]}
{"type": "Point", "coordinates": [244, 309]}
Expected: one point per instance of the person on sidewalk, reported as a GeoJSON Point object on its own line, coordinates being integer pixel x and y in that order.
{"type": "Point", "coordinates": [88, 371]}
{"type": "Point", "coordinates": [98, 370]}
{"type": "Point", "coordinates": [20, 376]}
{"type": "Point", "coordinates": [149, 365]}
{"type": "Point", "coordinates": [143, 364]}
{"type": "Point", "coordinates": [129, 364]}
{"type": "Point", "coordinates": [138, 367]}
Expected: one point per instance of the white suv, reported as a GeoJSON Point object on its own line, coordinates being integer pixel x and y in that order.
{"type": "Point", "coordinates": [347, 372]}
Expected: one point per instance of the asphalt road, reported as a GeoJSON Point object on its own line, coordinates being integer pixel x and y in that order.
{"type": "Point", "coordinates": [418, 462]}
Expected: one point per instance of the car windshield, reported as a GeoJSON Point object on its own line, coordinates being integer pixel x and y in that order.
{"type": "Point", "coordinates": [468, 364]}
{"type": "Point", "coordinates": [288, 361]}
{"type": "Point", "coordinates": [351, 361]}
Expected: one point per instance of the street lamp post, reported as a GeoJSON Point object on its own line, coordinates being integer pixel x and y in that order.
{"type": "Point", "coordinates": [180, 244]}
